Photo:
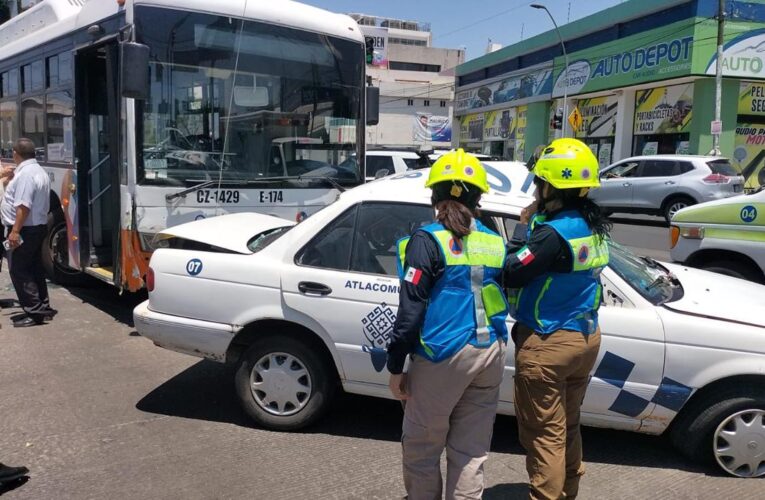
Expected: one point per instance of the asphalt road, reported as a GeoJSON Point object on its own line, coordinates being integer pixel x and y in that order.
{"type": "Point", "coordinates": [643, 234]}
{"type": "Point", "coordinates": [96, 411]}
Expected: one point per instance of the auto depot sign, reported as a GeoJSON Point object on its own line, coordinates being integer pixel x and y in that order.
{"type": "Point", "coordinates": [744, 56]}
{"type": "Point", "coordinates": [628, 61]}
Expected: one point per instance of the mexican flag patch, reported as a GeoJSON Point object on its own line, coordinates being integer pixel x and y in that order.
{"type": "Point", "coordinates": [525, 256]}
{"type": "Point", "coordinates": [413, 275]}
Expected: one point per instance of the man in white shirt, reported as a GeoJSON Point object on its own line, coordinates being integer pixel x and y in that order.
{"type": "Point", "coordinates": [24, 213]}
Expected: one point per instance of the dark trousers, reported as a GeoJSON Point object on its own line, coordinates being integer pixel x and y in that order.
{"type": "Point", "coordinates": [27, 273]}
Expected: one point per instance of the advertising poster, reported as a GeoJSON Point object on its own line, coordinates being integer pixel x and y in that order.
{"type": "Point", "coordinates": [471, 128]}
{"type": "Point", "coordinates": [380, 39]}
{"type": "Point", "coordinates": [650, 148]}
{"type": "Point", "coordinates": [751, 99]}
{"type": "Point", "coordinates": [664, 110]}
{"type": "Point", "coordinates": [431, 128]}
{"type": "Point", "coordinates": [499, 125]}
{"type": "Point", "coordinates": [520, 133]}
{"type": "Point", "coordinates": [598, 117]}
{"type": "Point", "coordinates": [505, 91]}
{"type": "Point", "coordinates": [604, 155]}
{"type": "Point", "coordinates": [749, 154]}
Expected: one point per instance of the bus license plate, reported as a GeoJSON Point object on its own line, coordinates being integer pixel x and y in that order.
{"type": "Point", "coordinates": [218, 196]}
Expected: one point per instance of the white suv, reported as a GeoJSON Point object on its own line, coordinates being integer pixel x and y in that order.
{"type": "Point", "coordinates": [664, 184]}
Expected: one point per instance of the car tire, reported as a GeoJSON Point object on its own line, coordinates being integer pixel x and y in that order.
{"type": "Point", "coordinates": [741, 270]}
{"type": "Point", "coordinates": [696, 432]}
{"type": "Point", "coordinates": [52, 258]}
{"type": "Point", "coordinates": [674, 204]}
{"type": "Point", "coordinates": [297, 367]}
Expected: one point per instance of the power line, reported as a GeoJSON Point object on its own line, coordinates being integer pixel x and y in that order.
{"type": "Point", "coordinates": [480, 21]}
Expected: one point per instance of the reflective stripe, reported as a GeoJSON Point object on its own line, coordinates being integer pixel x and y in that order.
{"type": "Point", "coordinates": [589, 253]}
{"type": "Point", "coordinates": [734, 234]}
{"type": "Point", "coordinates": [541, 295]}
{"type": "Point", "coordinates": [476, 249]}
{"type": "Point", "coordinates": [476, 282]}
{"type": "Point", "coordinates": [598, 296]}
{"type": "Point", "coordinates": [401, 252]}
{"type": "Point", "coordinates": [425, 346]}
{"type": "Point", "coordinates": [721, 214]}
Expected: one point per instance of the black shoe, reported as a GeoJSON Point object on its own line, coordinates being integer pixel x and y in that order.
{"type": "Point", "coordinates": [9, 474]}
{"type": "Point", "coordinates": [28, 321]}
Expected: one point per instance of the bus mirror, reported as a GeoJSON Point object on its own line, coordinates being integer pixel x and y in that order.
{"type": "Point", "coordinates": [251, 97]}
{"type": "Point", "coordinates": [373, 105]}
{"type": "Point", "coordinates": [134, 71]}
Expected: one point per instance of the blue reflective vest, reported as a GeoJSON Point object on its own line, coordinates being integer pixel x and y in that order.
{"type": "Point", "coordinates": [565, 301]}
{"type": "Point", "coordinates": [467, 304]}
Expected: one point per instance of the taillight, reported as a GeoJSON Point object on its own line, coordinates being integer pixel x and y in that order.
{"type": "Point", "coordinates": [674, 235]}
{"type": "Point", "coordinates": [716, 179]}
{"type": "Point", "coordinates": [150, 280]}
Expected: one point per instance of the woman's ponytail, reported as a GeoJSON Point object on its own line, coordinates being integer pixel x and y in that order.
{"type": "Point", "coordinates": [455, 217]}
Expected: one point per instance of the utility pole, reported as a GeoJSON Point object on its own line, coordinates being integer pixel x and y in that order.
{"type": "Point", "coordinates": [718, 76]}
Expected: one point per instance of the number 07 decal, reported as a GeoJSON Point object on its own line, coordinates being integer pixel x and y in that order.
{"type": "Point", "coordinates": [194, 267]}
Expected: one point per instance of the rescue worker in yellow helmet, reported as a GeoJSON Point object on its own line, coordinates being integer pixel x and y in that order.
{"type": "Point", "coordinates": [451, 320]}
{"type": "Point", "coordinates": [554, 274]}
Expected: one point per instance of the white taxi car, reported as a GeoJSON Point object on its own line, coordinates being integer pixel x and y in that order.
{"type": "Point", "coordinates": [304, 308]}
{"type": "Point", "coordinates": [725, 236]}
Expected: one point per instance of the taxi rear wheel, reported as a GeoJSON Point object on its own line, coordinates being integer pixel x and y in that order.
{"type": "Point", "coordinates": [283, 383]}
{"type": "Point", "coordinates": [726, 425]}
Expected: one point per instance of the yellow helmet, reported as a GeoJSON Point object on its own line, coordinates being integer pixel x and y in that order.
{"type": "Point", "coordinates": [568, 164]}
{"type": "Point", "coordinates": [458, 166]}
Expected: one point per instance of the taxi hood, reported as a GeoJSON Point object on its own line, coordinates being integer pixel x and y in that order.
{"type": "Point", "coordinates": [229, 232]}
{"type": "Point", "coordinates": [713, 295]}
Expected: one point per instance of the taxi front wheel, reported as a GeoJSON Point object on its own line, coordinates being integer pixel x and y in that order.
{"type": "Point", "coordinates": [284, 384]}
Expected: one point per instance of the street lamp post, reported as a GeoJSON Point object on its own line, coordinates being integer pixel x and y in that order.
{"type": "Point", "coordinates": [565, 62]}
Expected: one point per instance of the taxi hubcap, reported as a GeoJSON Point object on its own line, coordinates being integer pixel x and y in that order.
{"type": "Point", "coordinates": [739, 443]}
{"type": "Point", "coordinates": [280, 383]}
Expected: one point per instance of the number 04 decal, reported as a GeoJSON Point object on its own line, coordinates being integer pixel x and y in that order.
{"type": "Point", "coordinates": [194, 267]}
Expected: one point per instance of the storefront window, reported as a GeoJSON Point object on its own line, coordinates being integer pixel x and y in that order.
{"type": "Point", "coordinates": [749, 151]}
{"type": "Point", "coordinates": [598, 126]}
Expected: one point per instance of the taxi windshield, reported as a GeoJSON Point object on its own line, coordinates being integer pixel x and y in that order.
{"type": "Point", "coordinates": [653, 281]}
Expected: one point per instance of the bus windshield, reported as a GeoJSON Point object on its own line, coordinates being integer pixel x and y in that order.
{"type": "Point", "coordinates": [245, 101]}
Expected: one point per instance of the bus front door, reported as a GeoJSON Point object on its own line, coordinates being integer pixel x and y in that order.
{"type": "Point", "coordinates": [98, 151]}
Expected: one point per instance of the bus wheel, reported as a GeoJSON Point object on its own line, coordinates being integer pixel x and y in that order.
{"type": "Point", "coordinates": [55, 255]}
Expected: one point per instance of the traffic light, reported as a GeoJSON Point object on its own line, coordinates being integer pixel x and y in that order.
{"type": "Point", "coordinates": [370, 49]}
{"type": "Point", "coordinates": [557, 120]}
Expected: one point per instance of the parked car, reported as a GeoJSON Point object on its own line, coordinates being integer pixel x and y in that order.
{"type": "Point", "coordinates": [664, 184]}
{"type": "Point", "coordinates": [301, 309]}
{"type": "Point", "coordinates": [725, 236]}
{"type": "Point", "coordinates": [386, 161]}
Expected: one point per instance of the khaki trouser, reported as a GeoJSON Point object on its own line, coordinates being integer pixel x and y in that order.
{"type": "Point", "coordinates": [552, 373]}
{"type": "Point", "coordinates": [451, 404]}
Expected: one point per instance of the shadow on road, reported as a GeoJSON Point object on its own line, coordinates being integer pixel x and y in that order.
{"type": "Point", "coordinates": [108, 299]}
{"type": "Point", "coordinates": [205, 391]}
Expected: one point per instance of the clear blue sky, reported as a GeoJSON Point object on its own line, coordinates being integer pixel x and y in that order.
{"type": "Point", "coordinates": [500, 20]}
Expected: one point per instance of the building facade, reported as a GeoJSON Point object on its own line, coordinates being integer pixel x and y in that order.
{"type": "Point", "coordinates": [643, 83]}
{"type": "Point", "coordinates": [416, 83]}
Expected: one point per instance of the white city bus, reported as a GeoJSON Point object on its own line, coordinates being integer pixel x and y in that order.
{"type": "Point", "coordinates": [151, 113]}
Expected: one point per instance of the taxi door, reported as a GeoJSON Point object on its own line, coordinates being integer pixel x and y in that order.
{"type": "Point", "coordinates": [344, 282]}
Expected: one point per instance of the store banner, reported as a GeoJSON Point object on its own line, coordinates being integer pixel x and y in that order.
{"type": "Point", "coordinates": [664, 110]}
{"type": "Point", "coordinates": [510, 89]}
{"type": "Point", "coordinates": [751, 99]}
{"type": "Point", "coordinates": [499, 125]}
{"type": "Point", "coordinates": [742, 56]}
{"type": "Point", "coordinates": [749, 154]}
{"type": "Point", "coordinates": [431, 128]}
{"type": "Point", "coordinates": [380, 38]}
{"type": "Point", "coordinates": [599, 117]}
{"type": "Point", "coordinates": [657, 54]}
